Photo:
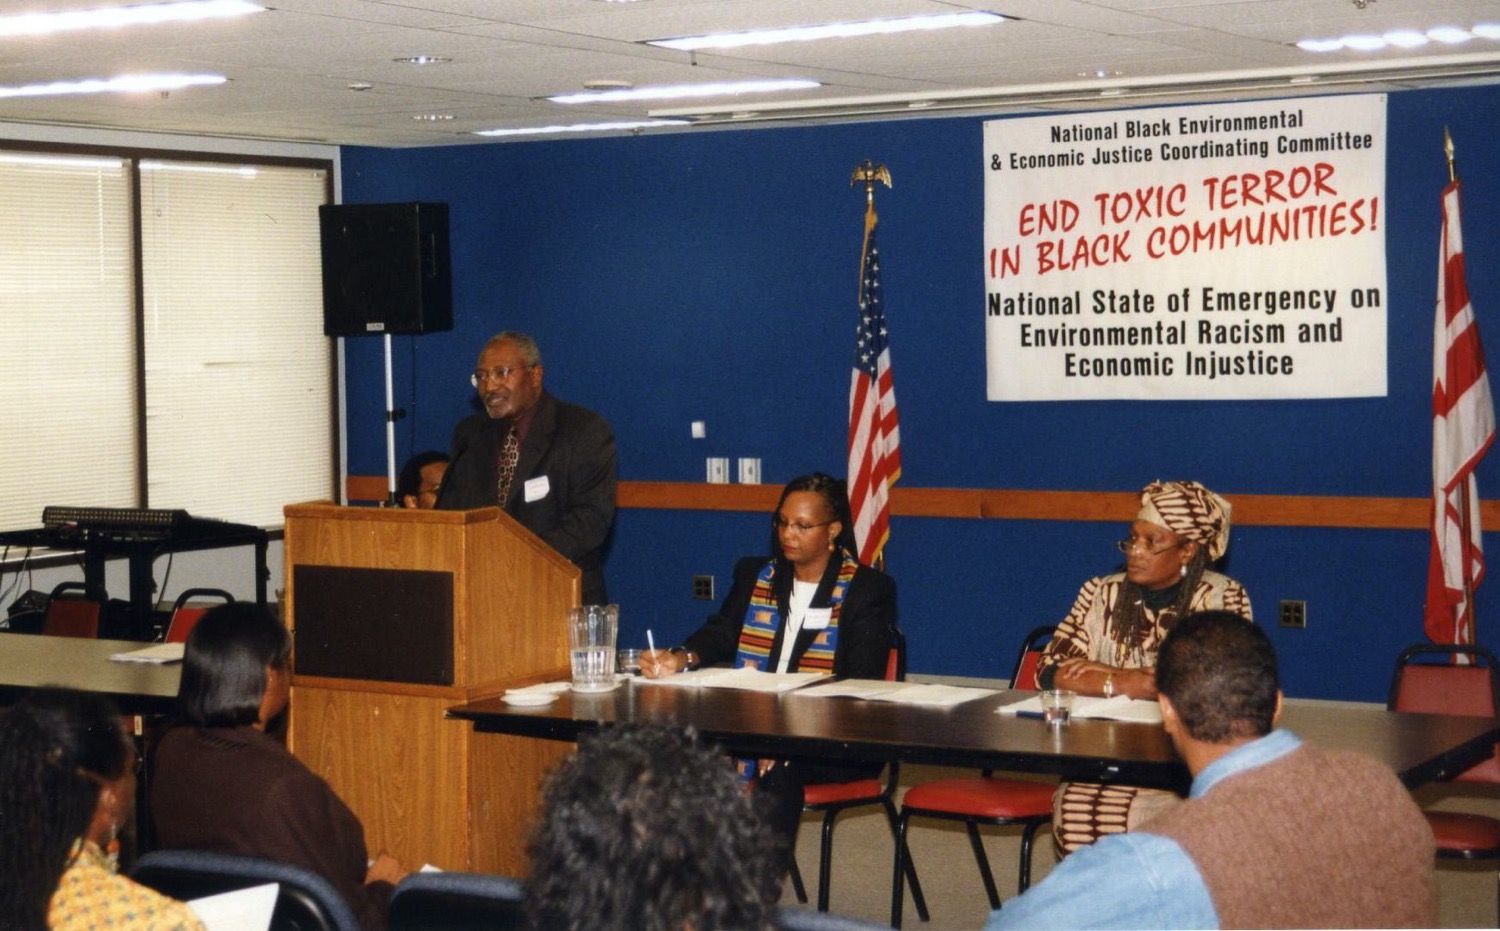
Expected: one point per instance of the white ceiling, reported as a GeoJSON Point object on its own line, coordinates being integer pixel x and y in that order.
{"type": "Point", "coordinates": [290, 68]}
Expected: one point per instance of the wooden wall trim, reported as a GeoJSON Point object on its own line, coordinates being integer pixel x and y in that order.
{"type": "Point", "coordinates": [1006, 504]}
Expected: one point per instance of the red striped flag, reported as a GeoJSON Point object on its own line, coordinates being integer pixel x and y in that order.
{"type": "Point", "coordinates": [874, 436]}
{"type": "Point", "coordinates": [1463, 426]}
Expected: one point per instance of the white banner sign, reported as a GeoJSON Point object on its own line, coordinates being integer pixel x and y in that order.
{"type": "Point", "coordinates": [1227, 251]}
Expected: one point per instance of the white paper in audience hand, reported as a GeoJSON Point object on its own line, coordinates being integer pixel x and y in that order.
{"type": "Point", "coordinates": [241, 910]}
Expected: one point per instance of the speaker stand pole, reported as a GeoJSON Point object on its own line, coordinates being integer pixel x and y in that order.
{"type": "Point", "coordinates": [391, 416]}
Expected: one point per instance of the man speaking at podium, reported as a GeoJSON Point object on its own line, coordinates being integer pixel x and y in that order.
{"type": "Point", "coordinates": [547, 463]}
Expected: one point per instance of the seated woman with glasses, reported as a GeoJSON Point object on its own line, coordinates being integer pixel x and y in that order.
{"type": "Point", "coordinates": [67, 788]}
{"type": "Point", "coordinates": [810, 606]}
{"type": "Point", "coordinates": [1107, 644]}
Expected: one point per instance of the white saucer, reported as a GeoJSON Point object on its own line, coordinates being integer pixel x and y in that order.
{"type": "Point", "coordinates": [529, 698]}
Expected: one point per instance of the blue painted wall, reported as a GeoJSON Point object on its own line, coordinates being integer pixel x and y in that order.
{"type": "Point", "coordinates": [711, 276]}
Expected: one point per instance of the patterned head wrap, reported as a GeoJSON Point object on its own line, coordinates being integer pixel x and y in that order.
{"type": "Point", "coordinates": [1188, 510]}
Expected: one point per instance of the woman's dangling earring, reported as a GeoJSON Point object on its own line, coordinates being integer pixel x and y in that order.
{"type": "Point", "coordinates": [1182, 571]}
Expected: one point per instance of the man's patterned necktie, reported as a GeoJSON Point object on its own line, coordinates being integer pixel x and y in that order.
{"type": "Point", "coordinates": [510, 451]}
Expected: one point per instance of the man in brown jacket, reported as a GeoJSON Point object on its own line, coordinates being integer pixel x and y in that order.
{"type": "Point", "coordinates": [1274, 833]}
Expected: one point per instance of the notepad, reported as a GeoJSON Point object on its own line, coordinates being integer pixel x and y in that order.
{"type": "Point", "coordinates": [901, 693]}
{"type": "Point", "coordinates": [751, 680]}
{"type": "Point", "coordinates": [159, 653]}
{"type": "Point", "coordinates": [241, 910]}
{"type": "Point", "coordinates": [1118, 708]}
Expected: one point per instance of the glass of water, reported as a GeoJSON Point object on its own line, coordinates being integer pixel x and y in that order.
{"type": "Point", "coordinates": [591, 646]}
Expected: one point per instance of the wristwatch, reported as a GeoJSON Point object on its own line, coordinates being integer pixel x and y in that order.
{"type": "Point", "coordinates": [688, 656]}
{"type": "Point", "coordinates": [1109, 685]}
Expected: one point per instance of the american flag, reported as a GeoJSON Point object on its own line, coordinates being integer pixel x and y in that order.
{"type": "Point", "coordinates": [874, 436]}
{"type": "Point", "coordinates": [1463, 426]}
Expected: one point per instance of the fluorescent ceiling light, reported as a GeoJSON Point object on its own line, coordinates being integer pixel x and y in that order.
{"type": "Point", "coordinates": [580, 128]}
{"type": "Point", "coordinates": [130, 83]}
{"type": "Point", "coordinates": [1401, 38]}
{"type": "Point", "coordinates": [41, 24]}
{"type": "Point", "coordinates": [874, 27]}
{"type": "Point", "coordinates": [672, 92]}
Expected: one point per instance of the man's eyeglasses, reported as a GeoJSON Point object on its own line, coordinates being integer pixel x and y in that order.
{"type": "Point", "coordinates": [1126, 546]}
{"type": "Point", "coordinates": [480, 376]}
{"type": "Point", "coordinates": [796, 527]}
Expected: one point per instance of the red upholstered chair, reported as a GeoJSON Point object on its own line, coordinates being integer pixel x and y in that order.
{"type": "Point", "coordinates": [185, 616]}
{"type": "Point", "coordinates": [834, 797]}
{"type": "Point", "coordinates": [1444, 688]}
{"type": "Point", "coordinates": [71, 615]}
{"type": "Point", "coordinates": [982, 799]}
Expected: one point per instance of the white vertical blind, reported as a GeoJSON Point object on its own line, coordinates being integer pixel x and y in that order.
{"type": "Point", "coordinates": [67, 335]}
{"type": "Point", "coordinates": [238, 371]}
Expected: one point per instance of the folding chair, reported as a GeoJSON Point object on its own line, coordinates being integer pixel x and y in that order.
{"type": "Point", "coordinates": [981, 800]}
{"type": "Point", "coordinates": [834, 797]}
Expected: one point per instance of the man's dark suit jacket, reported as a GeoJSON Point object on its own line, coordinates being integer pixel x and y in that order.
{"type": "Point", "coordinates": [564, 489]}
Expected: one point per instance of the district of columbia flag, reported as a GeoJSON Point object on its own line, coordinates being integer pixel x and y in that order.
{"type": "Point", "coordinates": [874, 436]}
{"type": "Point", "coordinates": [1463, 426]}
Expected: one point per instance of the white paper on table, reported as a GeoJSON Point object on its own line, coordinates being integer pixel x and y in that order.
{"type": "Point", "coordinates": [851, 688]}
{"type": "Point", "coordinates": [241, 910]}
{"type": "Point", "coordinates": [158, 653]}
{"type": "Point", "coordinates": [934, 694]}
{"type": "Point", "coordinates": [1118, 708]}
{"type": "Point", "coordinates": [751, 680]}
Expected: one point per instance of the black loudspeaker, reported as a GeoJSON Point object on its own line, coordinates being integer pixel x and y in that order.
{"type": "Point", "coordinates": [385, 269]}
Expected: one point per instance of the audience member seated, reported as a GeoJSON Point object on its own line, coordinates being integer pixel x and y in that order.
{"type": "Point", "coordinates": [648, 829]}
{"type": "Point", "coordinates": [1107, 644]}
{"type": "Point", "coordinates": [223, 784]}
{"type": "Point", "coordinates": [1274, 834]}
{"type": "Point", "coordinates": [67, 787]}
{"type": "Point", "coordinates": [421, 479]}
{"type": "Point", "coordinates": [809, 607]}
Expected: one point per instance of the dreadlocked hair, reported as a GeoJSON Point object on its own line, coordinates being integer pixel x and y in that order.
{"type": "Point", "coordinates": [57, 748]}
{"type": "Point", "coordinates": [1128, 625]}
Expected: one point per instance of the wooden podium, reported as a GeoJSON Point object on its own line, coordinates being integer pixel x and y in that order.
{"type": "Point", "coordinates": [402, 615]}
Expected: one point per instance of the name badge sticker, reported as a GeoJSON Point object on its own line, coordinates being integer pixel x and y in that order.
{"type": "Point", "coordinates": [817, 618]}
{"type": "Point", "coordinates": [536, 488]}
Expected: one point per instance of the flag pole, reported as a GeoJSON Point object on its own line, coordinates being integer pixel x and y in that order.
{"type": "Point", "coordinates": [869, 173]}
{"type": "Point", "coordinates": [868, 463]}
{"type": "Point", "coordinates": [1464, 518]}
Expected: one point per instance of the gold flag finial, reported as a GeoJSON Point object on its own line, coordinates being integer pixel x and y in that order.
{"type": "Point", "coordinates": [1448, 151]}
{"type": "Point", "coordinates": [869, 172]}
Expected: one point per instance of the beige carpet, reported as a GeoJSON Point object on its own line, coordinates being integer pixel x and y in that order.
{"type": "Point", "coordinates": [862, 851]}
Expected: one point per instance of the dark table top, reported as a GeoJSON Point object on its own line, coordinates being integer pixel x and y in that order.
{"type": "Point", "coordinates": [31, 660]}
{"type": "Point", "coordinates": [1419, 748]}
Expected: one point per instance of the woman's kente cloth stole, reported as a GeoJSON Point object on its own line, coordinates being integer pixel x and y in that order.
{"type": "Point", "coordinates": [763, 619]}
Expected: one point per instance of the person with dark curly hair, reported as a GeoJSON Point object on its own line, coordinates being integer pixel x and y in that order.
{"type": "Point", "coordinates": [646, 829]}
{"type": "Point", "coordinates": [67, 787]}
{"type": "Point", "coordinates": [810, 607]}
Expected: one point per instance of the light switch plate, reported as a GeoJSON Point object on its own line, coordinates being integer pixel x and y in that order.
{"type": "Point", "coordinates": [749, 471]}
{"type": "Point", "coordinates": [718, 470]}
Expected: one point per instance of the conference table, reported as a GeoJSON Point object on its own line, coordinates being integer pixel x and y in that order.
{"type": "Point", "coordinates": [28, 661]}
{"type": "Point", "coordinates": [1420, 748]}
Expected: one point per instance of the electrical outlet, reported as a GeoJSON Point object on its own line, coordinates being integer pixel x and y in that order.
{"type": "Point", "coordinates": [703, 588]}
{"type": "Point", "coordinates": [1292, 614]}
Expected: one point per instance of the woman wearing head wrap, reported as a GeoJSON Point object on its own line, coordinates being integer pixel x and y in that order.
{"type": "Point", "coordinates": [1107, 644]}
